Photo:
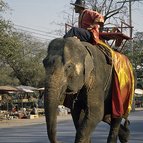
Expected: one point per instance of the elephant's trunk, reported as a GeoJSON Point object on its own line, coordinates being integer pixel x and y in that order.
{"type": "Point", "coordinates": [55, 87]}
{"type": "Point", "coordinates": [50, 105]}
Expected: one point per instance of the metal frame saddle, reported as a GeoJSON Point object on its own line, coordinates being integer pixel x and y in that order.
{"type": "Point", "coordinates": [112, 35]}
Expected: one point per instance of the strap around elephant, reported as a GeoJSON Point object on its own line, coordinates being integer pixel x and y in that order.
{"type": "Point", "coordinates": [107, 51]}
{"type": "Point", "coordinates": [89, 65]}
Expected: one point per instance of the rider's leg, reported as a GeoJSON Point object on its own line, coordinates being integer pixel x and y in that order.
{"type": "Point", "coordinates": [80, 33]}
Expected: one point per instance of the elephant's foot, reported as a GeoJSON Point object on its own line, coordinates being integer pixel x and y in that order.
{"type": "Point", "coordinates": [114, 129]}
{"type": "Point", "coordinates": [124, 134]}
{"type": "Point", "coordinates": [112, 138]}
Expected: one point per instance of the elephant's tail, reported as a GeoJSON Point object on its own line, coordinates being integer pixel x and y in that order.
{"type": "Point", "coordinates": [126, 123]}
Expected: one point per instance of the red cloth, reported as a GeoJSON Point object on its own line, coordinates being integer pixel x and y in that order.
{"type": "Point", "coordinates": [123, 83]}
{"type": "Point", "coordinates": [117, 103]}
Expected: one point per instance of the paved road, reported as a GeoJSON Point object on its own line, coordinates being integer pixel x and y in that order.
{"type": "Point", "coordinates": [37, 133]}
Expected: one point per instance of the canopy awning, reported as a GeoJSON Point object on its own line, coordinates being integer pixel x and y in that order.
{"type": "Point", "coordinates": [7, 89]}
{"type": "Point", "coordinates": [27, 89]}
{"type": "Point", "coordinates": [138, 91]}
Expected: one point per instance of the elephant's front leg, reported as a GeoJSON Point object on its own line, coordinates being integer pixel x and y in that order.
{"type": "Point", "coordinates": [78, 114]}
{"type": "Point", "coordinates": [92, 115]}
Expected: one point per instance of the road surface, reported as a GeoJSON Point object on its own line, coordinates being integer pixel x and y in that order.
{"type": "Point", "coordinates": [36, 133]}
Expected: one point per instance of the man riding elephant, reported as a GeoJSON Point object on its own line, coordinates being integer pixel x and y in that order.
{"type": "Point", "coordinates": [88, 25]}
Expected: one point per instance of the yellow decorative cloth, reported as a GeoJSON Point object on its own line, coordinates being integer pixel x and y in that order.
{"type": "Point", "coordinates": [123, 83]}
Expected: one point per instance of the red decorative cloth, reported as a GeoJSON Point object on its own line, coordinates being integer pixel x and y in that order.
{"type": "Point", "coordinates": [117, 106]}
{"type": "Point", "coordinates": [123, 84]}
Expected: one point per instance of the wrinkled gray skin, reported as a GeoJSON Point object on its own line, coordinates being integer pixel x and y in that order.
{"type": "Point", "coordinates": [80, 78]}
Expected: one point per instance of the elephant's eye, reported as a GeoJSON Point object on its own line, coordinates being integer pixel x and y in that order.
{"type": "Point", "coordinates": [52, 61]}
{"type": "Point", "coordinates": [68, 69]}
{"type": "Point", "coordinates": [46, 62]}
{"type": "Point", "coordinates": [69, 66]}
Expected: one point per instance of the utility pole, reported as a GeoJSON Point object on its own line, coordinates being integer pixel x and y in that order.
{"type": "Point", "coordinates": [130, 18]}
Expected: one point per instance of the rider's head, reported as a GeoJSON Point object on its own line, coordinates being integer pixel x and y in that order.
{"type": "Point", "coordinates": [79, 6]}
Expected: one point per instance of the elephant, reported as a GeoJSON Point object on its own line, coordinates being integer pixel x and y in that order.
{"type": "Point", "coordinates": [79, 76]}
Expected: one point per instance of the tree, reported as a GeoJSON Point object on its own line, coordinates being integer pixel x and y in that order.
{"type": "Point", "coordinates": [21, 55]}
{"type": "Point", "coordinates": [5, 28]}
{"type": "Point", "coordinates": [136, 56]}
{"type": "Point", "coordinates": [24, 56]}
{"type": "Point", "coordinates": [3, 6]}
{"type": "Point", "coordinates": [109, 8]}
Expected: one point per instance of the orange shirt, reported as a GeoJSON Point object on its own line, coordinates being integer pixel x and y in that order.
{"type": "Point", "coordinates": [89, 17]}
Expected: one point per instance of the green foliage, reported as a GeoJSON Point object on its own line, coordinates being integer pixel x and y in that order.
{"type": "Point", "coordinates": [6, 77]}
{"type": "Point", "coordinates": [24, 56]}
{"type": "Point", "coordinates": [134, 51]}
{"type": "Point", "coordinates": [3, 6]}
{"type": "Point", "coordinates": [21, 56]}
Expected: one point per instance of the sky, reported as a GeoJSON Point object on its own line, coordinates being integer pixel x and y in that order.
{"type": "Point", "coordinates": [37, 14]}
{"type": "Point", "coordinates": [42, 14]}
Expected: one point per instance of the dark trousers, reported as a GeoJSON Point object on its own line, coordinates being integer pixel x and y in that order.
{"type": "Point", "coordinates": [80, 33]}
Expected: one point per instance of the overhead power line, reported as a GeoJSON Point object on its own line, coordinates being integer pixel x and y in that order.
{"type": "Point", "coordinates": [36, 32]}
{"type": "Point", "coordinates": [37, 35]}
{"type": "Point", "coordinates": [129, 1]}
{"type": "Point", "coordinates": [33, 29]}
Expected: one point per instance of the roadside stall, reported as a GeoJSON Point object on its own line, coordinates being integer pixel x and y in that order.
{"type": "Point", "coordinates": [6, 96]}
{"type": "Point", "coordinates": [18, 102]}
{"type": "Point", "coordinates": [139, 98]}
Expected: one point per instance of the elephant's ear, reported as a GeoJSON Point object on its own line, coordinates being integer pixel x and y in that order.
{"type": "Point", "coordinates": [89, 65]}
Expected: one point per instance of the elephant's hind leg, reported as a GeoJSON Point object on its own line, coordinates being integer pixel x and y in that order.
{"type": "Point", "coordinates": [124, 132]}
{"type": "Point", "coordinates": [114, 130]}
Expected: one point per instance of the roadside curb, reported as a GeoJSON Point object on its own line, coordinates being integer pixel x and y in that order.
{"type": "Point", "coordinates": [28, 122]}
